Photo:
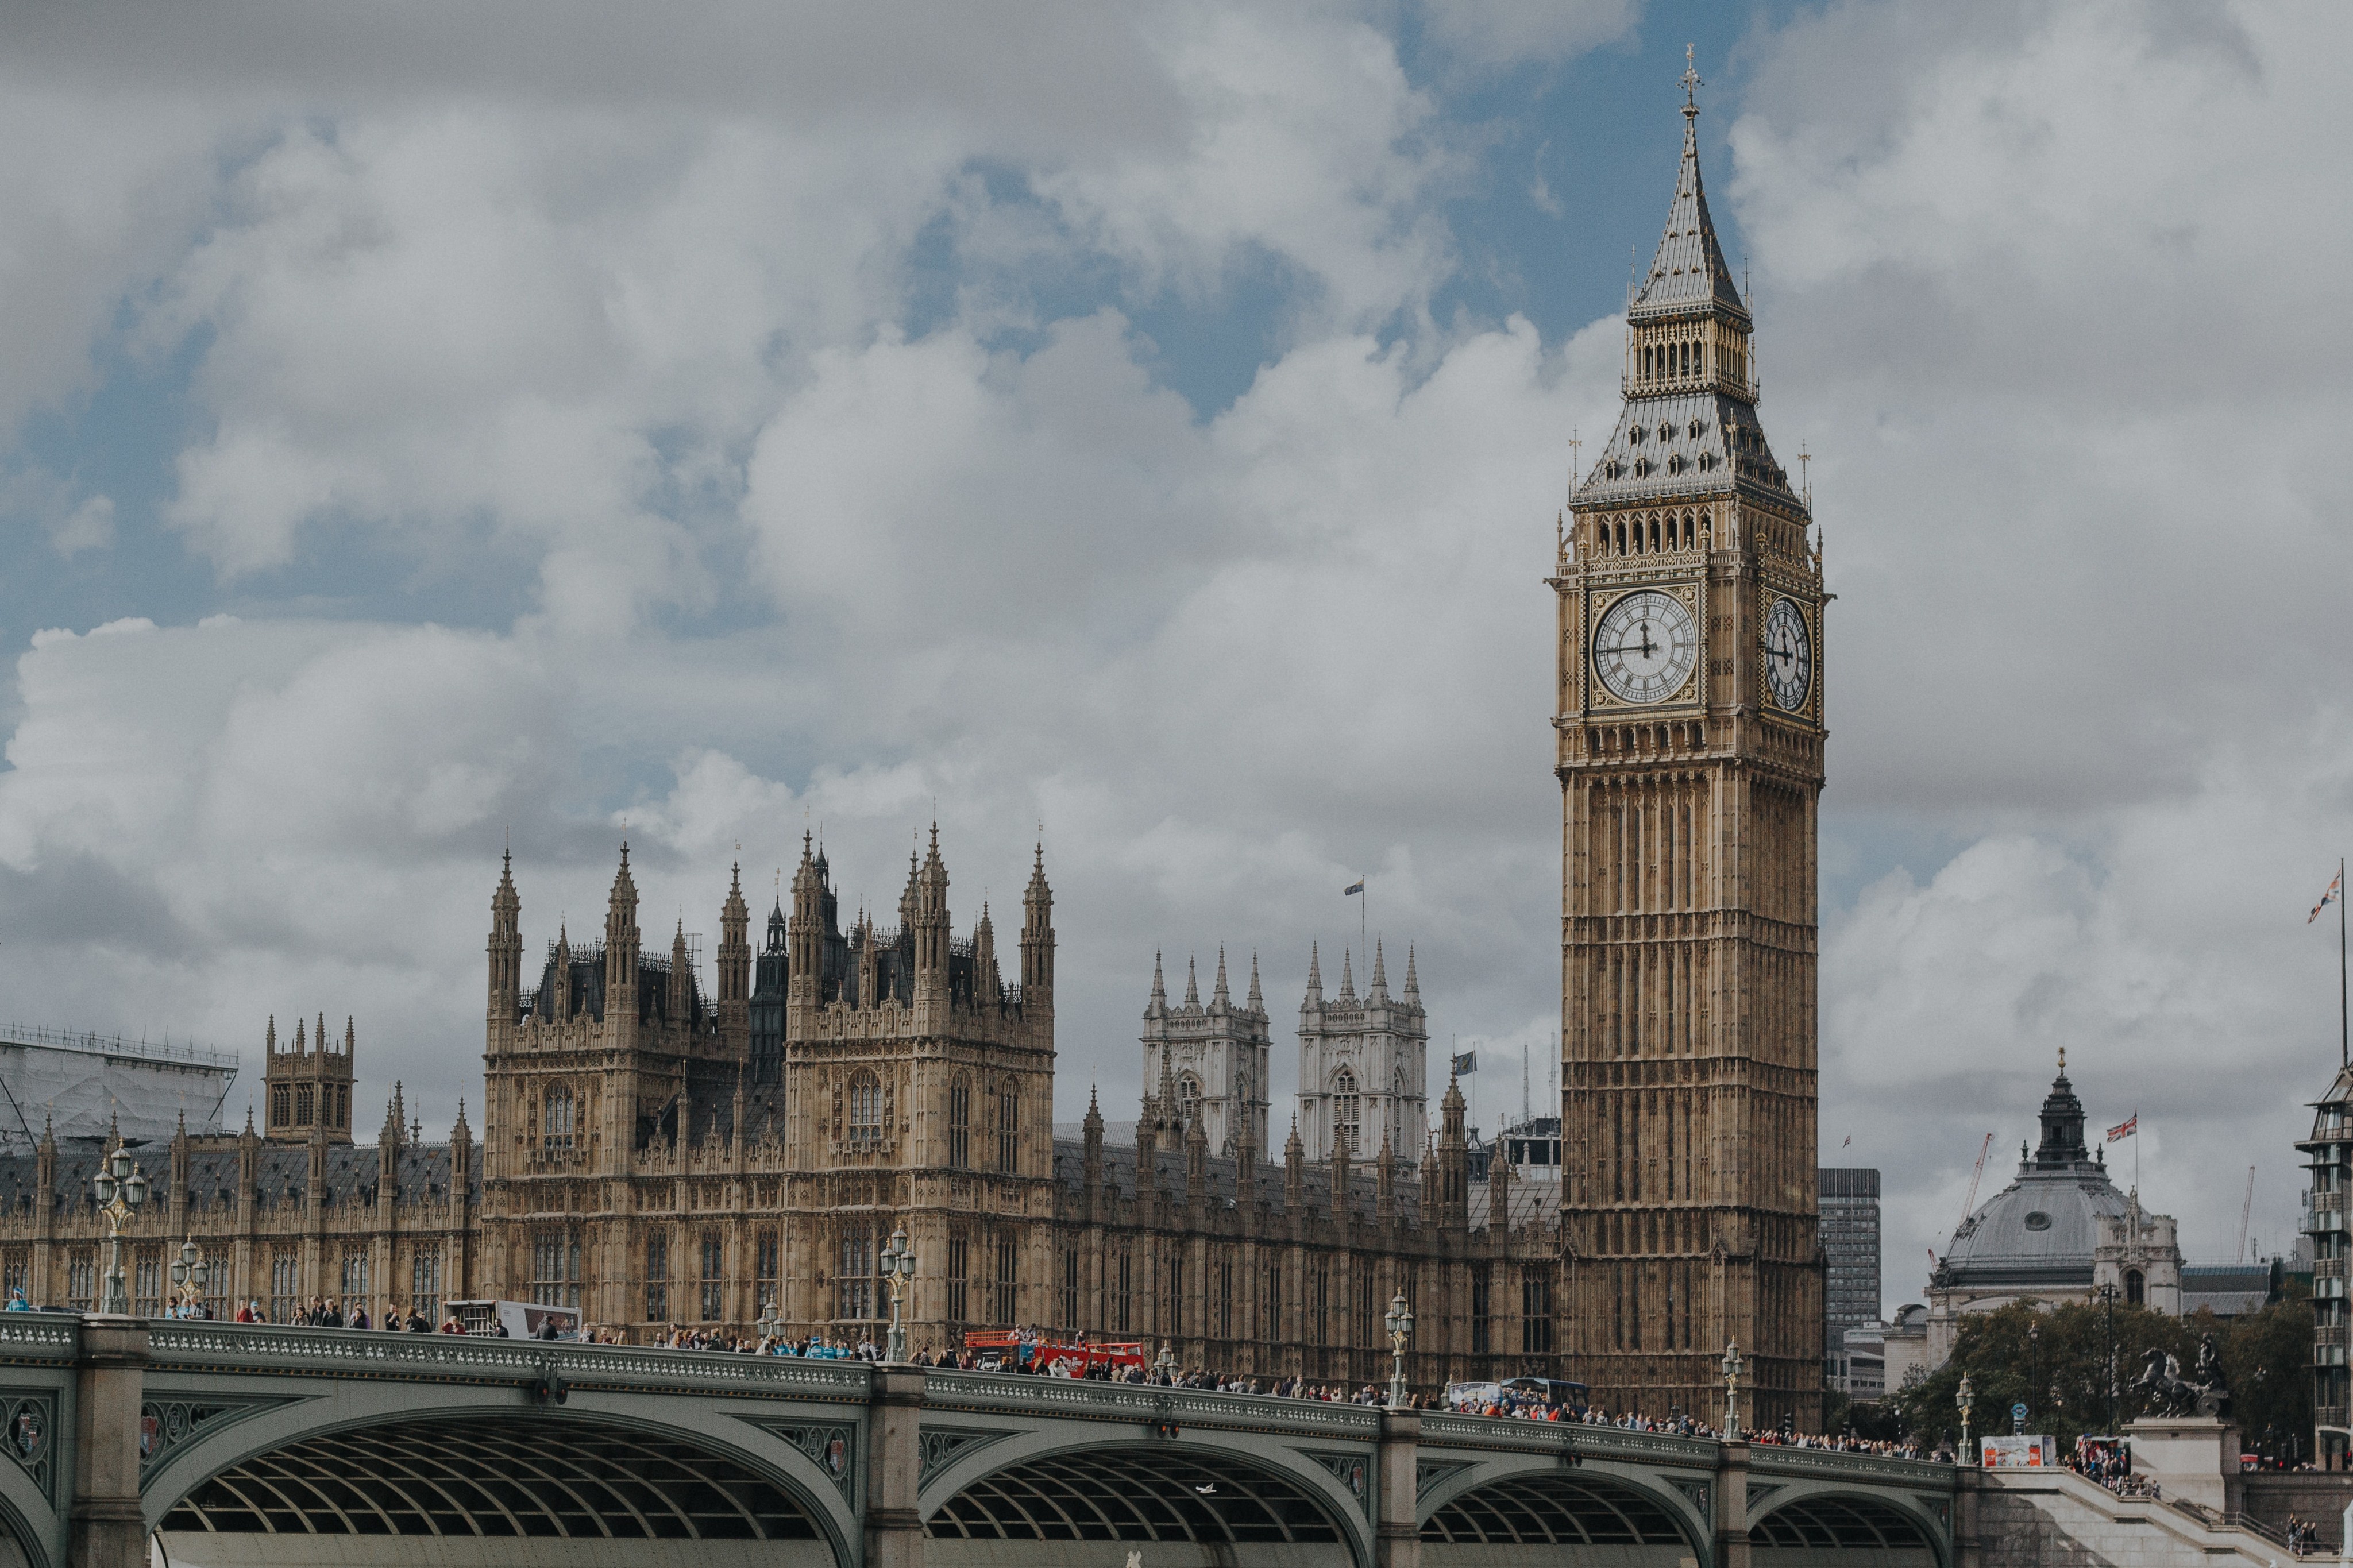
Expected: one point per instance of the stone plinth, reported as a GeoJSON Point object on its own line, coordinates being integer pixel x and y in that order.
{"type": "Point", "coordinates": [2193, 1458]}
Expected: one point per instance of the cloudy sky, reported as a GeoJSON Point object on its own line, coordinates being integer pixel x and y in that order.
{"type": "Point", "coordinates": [422, 425]}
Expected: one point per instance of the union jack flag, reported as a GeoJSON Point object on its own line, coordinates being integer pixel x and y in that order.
{"type": "Point", "coordinates": [2336, 892]}
{"type": "Point", "coordinates": [2124, 1128]}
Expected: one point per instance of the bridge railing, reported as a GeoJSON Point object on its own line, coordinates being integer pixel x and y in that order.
{"type": "Point", "coordinates": [1084, 1399]}
{"type": "Point", "coordinates": [361, 1353]}
{"type": "Point", "coordinates": [1832, 1463]}
{"type": "Point", "coordinates": [39, 1336]}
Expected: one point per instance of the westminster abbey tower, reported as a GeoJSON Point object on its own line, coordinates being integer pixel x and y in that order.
{"type": "Point", "coordinates": [1690, 729]}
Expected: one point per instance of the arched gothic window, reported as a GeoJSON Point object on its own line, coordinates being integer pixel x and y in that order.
{"type": "Point", "coordinates": [302, 1105]}
{"type": "Point", "coordinates": [1188, 1096]}
{"type": "Point", "coordinates": [865, 1109]}
{"type": "Point", "coordinates": [960, 1122]}
{"type": "Point", "coordinates": [281, 1106]}
{"type": "Point", "coordinates": [1008, 1126]}
{"type": "Point", "coordinates": [2135, 1288]}
{"type": "Point", "coordinates": [1343, 1111]}
{"type": "Point", "coordinates": [556, 1127]}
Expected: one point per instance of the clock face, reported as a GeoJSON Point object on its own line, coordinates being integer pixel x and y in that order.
{"type": "Point", "coordinates": [1645, 647]}
{"type": "Point", "coordinates": [1789, 654]}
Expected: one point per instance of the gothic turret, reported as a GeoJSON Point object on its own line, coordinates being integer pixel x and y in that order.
{"type": "Point", "coordinates": [735, 965]}
{"type": "Point", "coordinates": [505, 948]}
{"type": "Point", "coordinates": [1038, 938]}
{"type": "Point", "coordinates": [621, 950]}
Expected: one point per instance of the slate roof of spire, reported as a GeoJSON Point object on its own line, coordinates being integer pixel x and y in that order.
{"type": "Point", "coordinates": [1689, 272]}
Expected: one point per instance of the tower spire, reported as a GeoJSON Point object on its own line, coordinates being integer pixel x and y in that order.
{"type": "Point", "coordinates": [1192, 988]}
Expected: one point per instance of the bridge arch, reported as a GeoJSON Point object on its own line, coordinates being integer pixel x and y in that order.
{"type": "Point", "coordinates": [1802, 1525]}
{"type": "Point", "coordinates": [1239, 1499]}
{"type": "Point", "coordinates": [512, 1486]}
{"type": "Point", "coordinates": [1506, 1512]}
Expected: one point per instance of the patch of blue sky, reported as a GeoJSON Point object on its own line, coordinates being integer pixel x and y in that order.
{"type": "Point", "coordinates": [1576, 163]}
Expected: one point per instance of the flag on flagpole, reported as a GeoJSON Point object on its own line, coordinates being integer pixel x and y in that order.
{"type": "Point", "coordinates": [1467, 1062]}
{"type": "Point", "coordinates": [1849, 1138]}
{"type": "Point", "coordinates": [2336, 892]}
{"type": "Point", "coordinates": [1353, 889]}
{"type": "Point", "coordinates": [2124, 1128]}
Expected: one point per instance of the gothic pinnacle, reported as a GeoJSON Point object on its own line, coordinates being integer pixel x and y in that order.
{"type": "Point", "coordinates": [1192, 988]}
{"type": "Point", "coordinates": [1220, 997]}
{"type": "Point", "coordinates": [1257, 1002]}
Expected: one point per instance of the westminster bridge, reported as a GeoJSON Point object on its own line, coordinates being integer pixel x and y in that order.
{"type": "Point", "coordinates": [130, 1441]}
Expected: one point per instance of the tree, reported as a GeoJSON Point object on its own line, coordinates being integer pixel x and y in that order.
{"type": "Point", "coordinates": [2054, 1361]}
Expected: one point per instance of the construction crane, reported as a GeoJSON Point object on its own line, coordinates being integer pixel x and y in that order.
{"type": "Point", "coordinates": [1969, 1203]}
{"type": "Point", "coordinates": [2246, 1211]}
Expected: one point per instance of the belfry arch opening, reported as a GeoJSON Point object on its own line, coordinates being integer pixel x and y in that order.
{"type": "Point", "coordinates": [454, 1491]}
{"type": "Point", "coordinates": [1179, 1507]}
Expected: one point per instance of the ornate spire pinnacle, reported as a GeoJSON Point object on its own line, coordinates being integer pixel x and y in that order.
{"type": "Point", "coordinates": [1314, 974]}
{"type": "Point", "coordinates": [1255, 1002]}
{"type": "Point", "coordinates": [1348, 977]}
{"type": "Point", "coordinates": [1220, 999]}
{"type": "Point", "coordinates": [1378, 987]}
{"type": "Point", "coordinates": [1192, 988]}
{"type": "Point", "coordinates": [1412, 986]}
{"type": "Point", "coordinates": [1158, 1004]}
{"type": "Point", "coordinates": [1689, 274]}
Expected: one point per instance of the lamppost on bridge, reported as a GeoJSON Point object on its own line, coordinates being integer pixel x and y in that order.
{"type": "Point", "coordinates": [1399, 1319]}
{"type": "Point", "coordinates": [1964, 1397]}
{"type": "Point", "coordinates": [190, 1274]}
{"type": "Point", "coordinates": [1732, 1365]}
{"type": "Point", "coordinates": [898, 1268]}
{"type": "Point", "coordinates": [770, 1324]}
{"type": "Point", "coordinates": [121, 1188]}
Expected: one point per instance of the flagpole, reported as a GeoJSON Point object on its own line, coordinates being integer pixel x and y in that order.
{"type": "Point", "coordinates": [2344, 1039]}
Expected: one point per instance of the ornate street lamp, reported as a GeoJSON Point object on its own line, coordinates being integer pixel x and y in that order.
{"type": "Point", "coordinates": [1166, 1364]}
{"type": "Point", "coordinates": [1400, 1320]}
{"type": "Point", "coordinates": [1732, 1365]}
{"type": "Point", "coordinates": [190, 1274]}
{"type": "Point", "coordinates": [770, 1325]}
{"type": "Point", "coordinates": [898, 1268]}
{"type": "Point", "coordinates": [120, 1187]}
{"type": "Point", "coordinates": [1966, 1397]}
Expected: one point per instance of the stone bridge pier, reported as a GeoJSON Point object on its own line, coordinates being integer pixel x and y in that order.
{"type": "Point", "coordinates": [128, 1442]}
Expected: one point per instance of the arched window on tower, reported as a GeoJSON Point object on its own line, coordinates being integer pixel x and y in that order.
{"type": "Point", "coordinates": [302, 1105]}
{"type": "Point", "coordinates": [1344, 1111]}
{"type": "Point", "coordinates": [1621, 538]}
{"type": "Point", "coordinates": [1188, 1096]}
{"type": "Point", "coordinates": [1654, 534]}
{"type": "Point", "coordinates": [1008, 1126]}
{"type": "Point", "coordinates": [281, 1106]}
{"type": "Point", "coordinates": [2135, 1288]}
{"type": "Point", "coordinates": [960, 1122]}
{"type": "Point", "coordinates": [865, 1109]}
{"type": "Point", "coordinates": [555, 1128]}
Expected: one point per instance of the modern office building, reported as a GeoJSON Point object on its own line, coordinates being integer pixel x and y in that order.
{"type": "Point", "coordinates": [1849, 1253]}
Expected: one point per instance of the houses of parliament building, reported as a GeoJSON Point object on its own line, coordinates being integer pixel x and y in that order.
{"type": "Point", "coordinates": [659, 1152]}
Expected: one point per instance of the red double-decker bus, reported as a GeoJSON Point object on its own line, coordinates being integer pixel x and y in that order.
{"type": "Point", "coordinates": [1003, 1349]}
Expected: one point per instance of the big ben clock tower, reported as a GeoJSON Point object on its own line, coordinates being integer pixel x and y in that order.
{"type": "Point", "coordinates": [1690, 724]}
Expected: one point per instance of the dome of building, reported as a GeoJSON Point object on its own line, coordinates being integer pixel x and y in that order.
{"type": "Point", "coordinates": [2043, 1229]}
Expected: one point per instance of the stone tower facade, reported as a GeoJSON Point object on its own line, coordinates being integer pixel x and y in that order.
{"type": "Point", "coordinates": [307, 1085]}
{"type": "Point", "coordinates": [1690, 745]}
{"type": "Point", "coordinates": [1207, 1064]}
{"type": "Point", "coordinates": [1363, 1064]}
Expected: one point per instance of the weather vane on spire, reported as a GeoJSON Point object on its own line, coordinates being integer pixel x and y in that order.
{"type": "Point", "coordinates": [1692, 83]}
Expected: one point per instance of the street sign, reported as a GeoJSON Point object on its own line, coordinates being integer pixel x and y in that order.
{"type": "Point", "coordinates": [2018, 1412]}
